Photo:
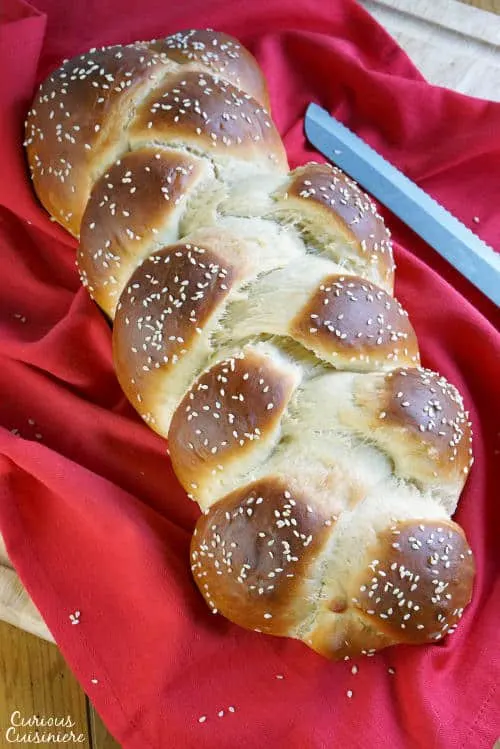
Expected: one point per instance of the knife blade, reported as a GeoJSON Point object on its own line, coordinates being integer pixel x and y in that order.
{"type": "Point", "coordinates": [463, 249]}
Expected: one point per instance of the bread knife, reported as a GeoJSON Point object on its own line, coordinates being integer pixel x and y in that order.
{"type": "Point", "coordinates": [463, 249]}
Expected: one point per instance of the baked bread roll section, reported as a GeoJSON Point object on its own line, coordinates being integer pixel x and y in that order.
{"type": "Point", "coordinates": [255, 328]}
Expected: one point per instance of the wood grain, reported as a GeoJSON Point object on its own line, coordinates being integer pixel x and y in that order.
{"type": "Point", "coordinates": [100, 737]}
{"type": "Point", "coordinates": [453, 44]}
{"type": "Point", "coordinates": [35, 680]}
{"type": "Point", "coordinates": [492, 5]}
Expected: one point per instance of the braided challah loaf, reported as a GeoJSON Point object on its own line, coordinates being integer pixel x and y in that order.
{"type": "Point", "coordinates": [255, 328]}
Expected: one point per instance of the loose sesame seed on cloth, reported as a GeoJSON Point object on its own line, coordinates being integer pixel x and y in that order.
{"type": "Point", "coordinates": [92, 515]}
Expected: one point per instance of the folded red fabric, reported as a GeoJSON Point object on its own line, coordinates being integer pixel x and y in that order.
{"type": "Point", "coordinates": [90, 510]}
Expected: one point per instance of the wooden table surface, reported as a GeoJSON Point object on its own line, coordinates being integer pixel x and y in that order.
{"type": "Point", "coordinates": [35, 679]}
{"type": "Point", "coordinates": [491, 5]}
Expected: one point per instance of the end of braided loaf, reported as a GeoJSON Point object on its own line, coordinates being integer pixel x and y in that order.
{"type": "Point", "coordinates": [270, 558]}
{"type": "Point", "coordinates": [255, 328]}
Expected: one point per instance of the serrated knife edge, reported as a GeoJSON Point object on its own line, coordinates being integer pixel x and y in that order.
{"type": "Point", "coordinates": [463, 249]}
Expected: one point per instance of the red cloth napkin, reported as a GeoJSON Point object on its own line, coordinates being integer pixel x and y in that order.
{"type": "Point", "coordinates": [90, 510]}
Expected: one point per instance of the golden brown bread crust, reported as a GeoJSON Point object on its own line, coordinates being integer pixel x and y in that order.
{"type": "Point", "coordinates": [77, 125]}
{"type": "Point", "coordinates": [420, 417]}
{"type": "Point", "coordinates": [131, 207]}
{"type": "Point", "coordinates": [76, 120]}
{"type": "Point", "coordinates": [256, 558]}
{"type": "Point", "coordinates": [230, 411]}
{"type": "Point", "coordinates": [165, 305]}
{"type": "Point", "coordinates": [251, 554]}
{"type": "Point", "coordinates": [220, 54]}
{"type": "Point", "coordinates": [207, 114]}
{"type": "Point", "coordinates": [338, 639]}
{"type": "Point", "coordinates": [350, 318]}
{"type": "Point", "coordinates": [418, 580]}
{"type": "Point", "coordinates": [325, 191]}
{"type": "Point", "coordinates": [424, 400]}
{"type": "Point", "coordinates": [413, 590]}
{"type": "Point", "coordinates": [345, 321]}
